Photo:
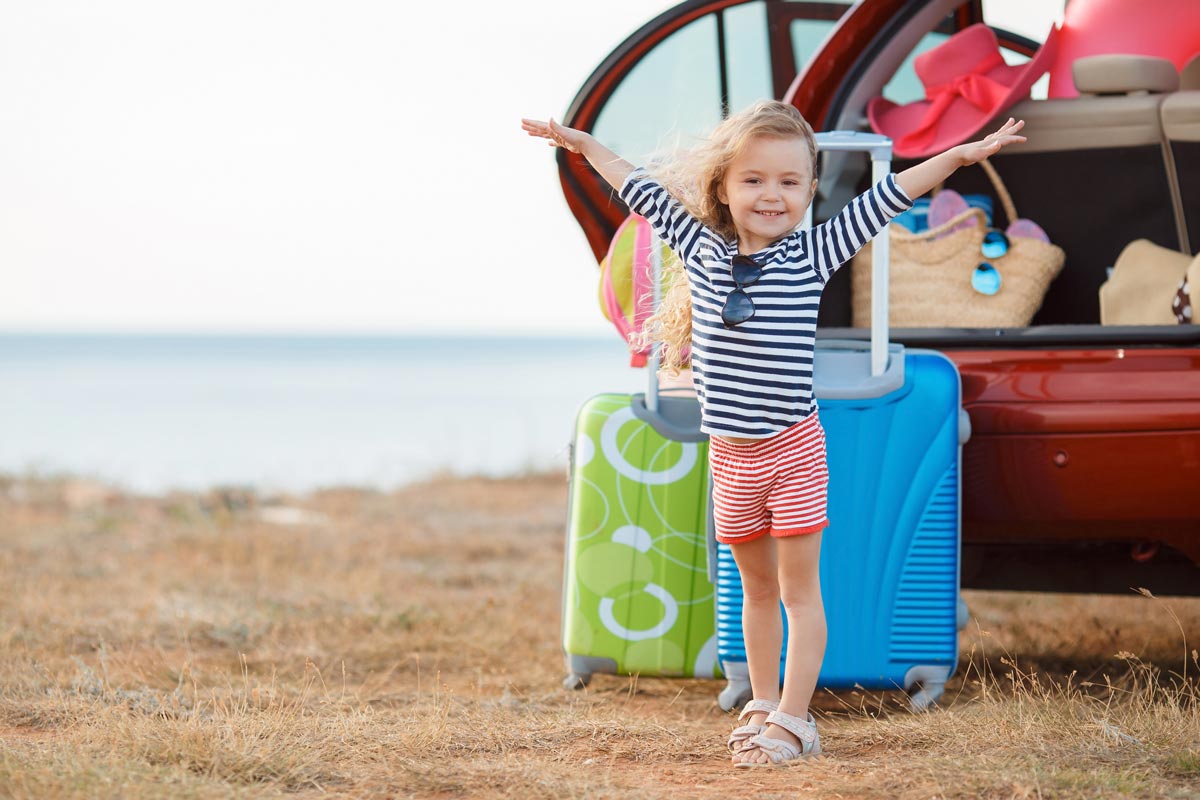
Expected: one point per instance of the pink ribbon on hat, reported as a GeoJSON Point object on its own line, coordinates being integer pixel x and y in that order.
{"type": "Point", "coordinates": [975, 87]}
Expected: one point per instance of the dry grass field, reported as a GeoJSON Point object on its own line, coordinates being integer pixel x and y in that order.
{"type": "Point", "coordinates": [351, 643]}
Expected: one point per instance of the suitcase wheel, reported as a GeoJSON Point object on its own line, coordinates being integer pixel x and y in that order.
{"type": "Point", "coordinates": [576, 680]}
{"type": "Point", "coordinates": [735, 695]}
{"type": "Point", "coordinates": [924, 696]}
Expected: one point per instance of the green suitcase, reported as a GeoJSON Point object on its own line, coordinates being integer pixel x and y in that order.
{"type": "Point", "coordinates": [637, 596]}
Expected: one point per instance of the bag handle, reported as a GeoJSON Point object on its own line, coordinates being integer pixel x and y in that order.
{"type": "Point", "coordinates": [1001, 190]}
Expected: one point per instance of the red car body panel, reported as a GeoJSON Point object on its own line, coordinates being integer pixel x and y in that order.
{"type": "Point", "coordinates": [1102, 444]}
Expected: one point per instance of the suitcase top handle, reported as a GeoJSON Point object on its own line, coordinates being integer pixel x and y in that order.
{"type": "Point", "coordinates": [878, 146]}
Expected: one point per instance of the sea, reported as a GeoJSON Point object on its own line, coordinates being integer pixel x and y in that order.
{"type": "Point", "coordinates": [150, 414]}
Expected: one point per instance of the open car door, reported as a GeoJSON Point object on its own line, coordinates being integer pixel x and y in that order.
{"type": "Point", "coordinates": [681, 73]}
{"type": "Point", "coordinates": [677, 77]}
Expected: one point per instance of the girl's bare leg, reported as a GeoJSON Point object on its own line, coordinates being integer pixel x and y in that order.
{"type": "Point", "coordinates": [800, 589]}
{"type": "Point", "coordinates": [762, 626]}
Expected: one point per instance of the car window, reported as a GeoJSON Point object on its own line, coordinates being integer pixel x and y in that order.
{"type": "Point", "coordinates": [1032, 20]}
{"type": "Point", "coordinates": [905, 86]}
{"type": "Point", "coordinates": [747, 54]}
{"type": "Point", "coordinates": [807, 36]}
{"type": "Point", "coordinates": [671, 95]}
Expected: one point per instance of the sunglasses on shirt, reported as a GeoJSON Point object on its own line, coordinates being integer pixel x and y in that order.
{"type": "Point", "coordinates": [738, 306]}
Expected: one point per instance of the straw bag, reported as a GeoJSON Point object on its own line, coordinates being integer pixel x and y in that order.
{"type": "Point", "coordinates": [931, 279]}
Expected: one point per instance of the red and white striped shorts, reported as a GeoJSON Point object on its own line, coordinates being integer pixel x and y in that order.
{"type": "Point", "coordinates": [775, 485]}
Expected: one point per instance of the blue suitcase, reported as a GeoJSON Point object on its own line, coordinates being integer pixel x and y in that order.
{"type": "Point", "coordinates": [890, 557]}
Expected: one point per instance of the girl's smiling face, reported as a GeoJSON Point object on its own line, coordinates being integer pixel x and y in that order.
{"type": "Point", "coordinates": [768, 188]}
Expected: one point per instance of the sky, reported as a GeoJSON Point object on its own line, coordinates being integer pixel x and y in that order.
{"type": "Point", "coordinates": [292, 166]}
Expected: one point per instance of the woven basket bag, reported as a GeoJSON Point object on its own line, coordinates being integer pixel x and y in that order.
{"type": "Point", "coordinates": [930, 278]}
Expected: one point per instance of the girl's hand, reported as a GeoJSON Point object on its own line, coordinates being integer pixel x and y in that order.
{"type": "Point", "coordinates": [974, 152]}
{"type": "Point", "coordinates": [559, 135]}
{"type": "Point", "coordinates": [919, 179]}
{"type": "Point", "coordinates": [611, 166]}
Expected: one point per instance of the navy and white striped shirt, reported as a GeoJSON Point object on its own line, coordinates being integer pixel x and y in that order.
{"type": "Point", "coordinates": [755, 379]}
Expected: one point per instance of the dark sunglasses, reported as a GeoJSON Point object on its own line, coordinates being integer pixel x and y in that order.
{"type": "Point", "coordinates": [986, 278]}
{"type": "Point", "coordinates": [738, 306]}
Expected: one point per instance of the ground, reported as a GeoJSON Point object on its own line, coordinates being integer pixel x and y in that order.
{"type": "Point", "coordinates": [351, 643]}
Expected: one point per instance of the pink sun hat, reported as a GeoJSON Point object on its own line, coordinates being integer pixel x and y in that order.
{"type": "Point", "coordinates": [966, 83]}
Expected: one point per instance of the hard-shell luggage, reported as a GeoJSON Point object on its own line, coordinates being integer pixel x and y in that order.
{"type": "Point", "coordinates": [890, 557]}
{"type": "Point", "coordinates": [636, 594]}
{"type": "Point", "coordinates": [637, 597]}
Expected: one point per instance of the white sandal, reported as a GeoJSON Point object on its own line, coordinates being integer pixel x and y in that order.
{"type": "Point", "coordinates": [781, 751]}
{"type": "Point", "coordinates": [743, 734]}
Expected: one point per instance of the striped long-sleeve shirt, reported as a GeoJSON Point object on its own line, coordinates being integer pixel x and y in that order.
{"type": "Point", "coordinates": [755, 379]}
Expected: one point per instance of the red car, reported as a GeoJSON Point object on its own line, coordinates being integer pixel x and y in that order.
{"type": "Point", "coordinates": [1082, 472]}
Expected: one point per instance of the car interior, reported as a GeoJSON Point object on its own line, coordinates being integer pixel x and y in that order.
{"type": "Point", "coordinates": [1119, 162]}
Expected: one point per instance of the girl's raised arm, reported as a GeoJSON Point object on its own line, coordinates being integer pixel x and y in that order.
{"type": "Point", "coordinates": [611, 166]}
{"type": "Point", "coordinates": [919, 179]}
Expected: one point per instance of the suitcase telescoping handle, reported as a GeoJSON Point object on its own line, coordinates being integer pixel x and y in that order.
{"type": "Point", "coordinates": [880, 149]}
{"type": "Point", "coordinates": [676, 418]}
{"type": "Point", "coordinates": [656, 283]}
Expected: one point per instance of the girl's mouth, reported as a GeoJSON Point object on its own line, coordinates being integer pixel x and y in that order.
{"type": "Point", "coordinates": [770, 213]}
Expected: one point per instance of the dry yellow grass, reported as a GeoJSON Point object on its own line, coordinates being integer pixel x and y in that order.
{"type": "Point", "coordinates": [359, 644]}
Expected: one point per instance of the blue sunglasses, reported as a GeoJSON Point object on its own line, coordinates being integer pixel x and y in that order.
{"type": "Point", "coordinates": [986, 278]}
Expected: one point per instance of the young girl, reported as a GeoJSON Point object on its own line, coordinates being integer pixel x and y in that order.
{"type": "Point", "coordinates": [746, 304]}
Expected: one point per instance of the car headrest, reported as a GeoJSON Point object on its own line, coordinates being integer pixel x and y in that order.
{"type": "Point", "coordinates": [1124, 74]}
{"type": "Point", "coordinates": [1189, 76]}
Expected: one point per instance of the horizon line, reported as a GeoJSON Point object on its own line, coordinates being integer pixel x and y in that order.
{"type": "Point", "coordinates": [303, 334]}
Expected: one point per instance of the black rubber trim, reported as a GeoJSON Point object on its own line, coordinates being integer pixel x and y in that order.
{"type": "Point", "coordinates": [722, 69]}
{"type": "Point", "coordinates": [1039, 336]}
{"type": "Point", "coordinates": [1093, 567]}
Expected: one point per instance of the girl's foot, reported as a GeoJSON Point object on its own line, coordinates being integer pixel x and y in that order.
{"type": "Point", "coordinates": [753, 754]}
{"type": "Point", "coordinates": [787, 738]}
{"type": "Point", "coordinates": [757, 711]}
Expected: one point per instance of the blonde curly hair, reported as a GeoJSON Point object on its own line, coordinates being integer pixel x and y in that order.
{"type": "Point", "coordinates": [694, 177]}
